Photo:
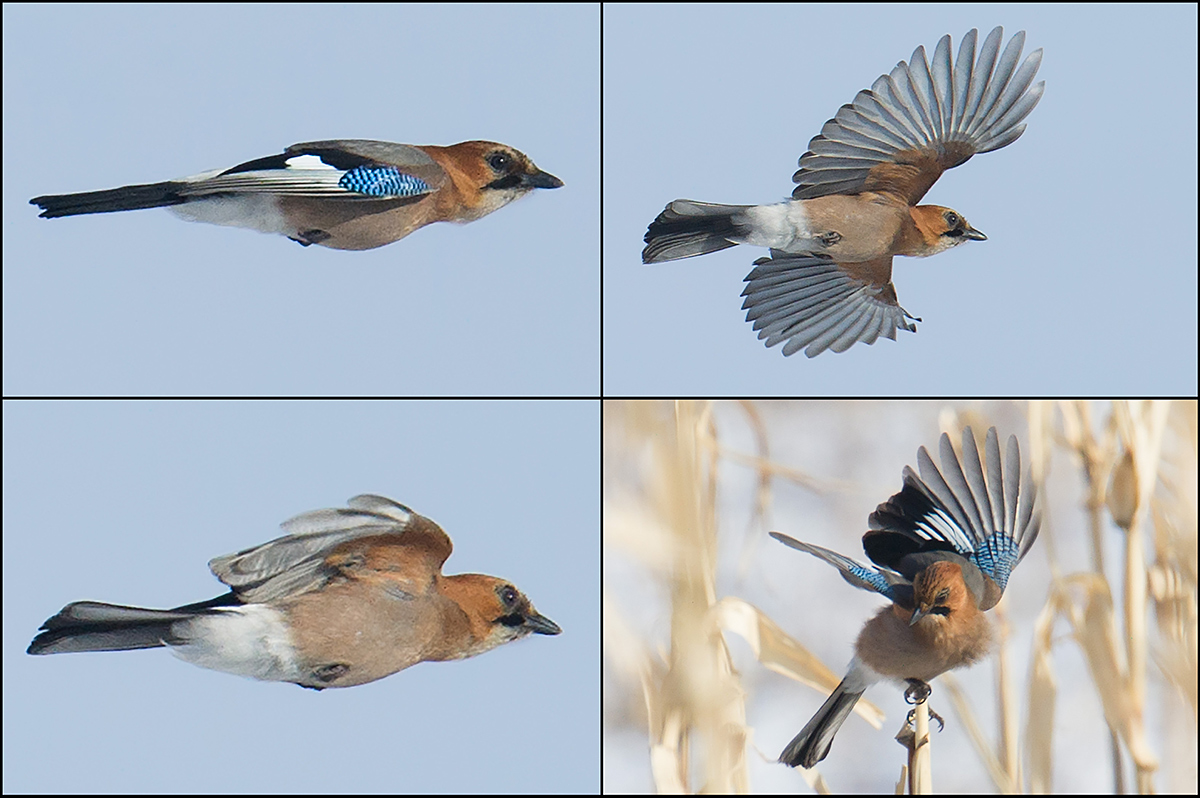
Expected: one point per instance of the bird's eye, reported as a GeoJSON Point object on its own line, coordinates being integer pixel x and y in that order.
{"type": "Point", "coordinates": [508, 594]}
{"type": "Point", "coordinates": [952, 219]}
{"type": "Point", "coordinates": [499, 161]}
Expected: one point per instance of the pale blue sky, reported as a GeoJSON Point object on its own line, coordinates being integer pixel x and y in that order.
{"type": "Point", "coordinates": [1087, 284]}
{"type": "Point", "coordinates": [127, 501]}
{"type": "Point", "coordinates": [143, 303]}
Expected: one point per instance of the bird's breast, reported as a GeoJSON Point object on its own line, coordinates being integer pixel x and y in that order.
{"type": "Point", "coordinates": [373, 631]}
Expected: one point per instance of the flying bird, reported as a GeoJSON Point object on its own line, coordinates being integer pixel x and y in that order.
{"type": "Point", "coordinates": [347, 597]}
{"type": "Point", "coordinates": [341, 194]}
{"type": "Point", "coordinates": [827, 283]}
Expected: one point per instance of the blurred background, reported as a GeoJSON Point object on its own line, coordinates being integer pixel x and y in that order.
{"type": "Point", "coordinates": [709, 625]}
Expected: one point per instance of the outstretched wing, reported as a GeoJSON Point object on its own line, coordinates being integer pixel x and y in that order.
{"type": "Point", "coordinates": [922, 119]}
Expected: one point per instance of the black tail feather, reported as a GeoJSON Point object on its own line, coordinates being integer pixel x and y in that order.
{"type": "Point", "coordinates": [687, 228]}
{"type": "Point", "coordinates": [96, 626]}
{"type": "Point", "coordinates": [126, 198]}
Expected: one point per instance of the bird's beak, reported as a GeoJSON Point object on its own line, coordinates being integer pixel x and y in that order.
{"type": "Point", "coordinates": [540, 179]}
{"type": "Point", "coordinates": [917, 615]}
{"type": "Point", "coordinates": [973, 234]}
{"type": "Point", "coordinates": [540, 623]}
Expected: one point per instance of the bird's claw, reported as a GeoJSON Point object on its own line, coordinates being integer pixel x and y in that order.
{"type": "Point", "coordinates": [918, 691]}
{"type": "Point", "coordinates": [912, 714]}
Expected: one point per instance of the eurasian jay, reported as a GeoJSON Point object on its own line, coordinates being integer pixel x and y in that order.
{"type": "Point", "coordinates": [347, 597]}
{"type": "Point", "coordinates": [945, 546]}
{"type": "Point", "coordinates": [342, 194]}
{"type": "Point", "coordinates": [828, 281]}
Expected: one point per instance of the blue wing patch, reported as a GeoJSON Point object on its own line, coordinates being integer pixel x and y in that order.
{"type": "Point", "coordinates": [382, 181]}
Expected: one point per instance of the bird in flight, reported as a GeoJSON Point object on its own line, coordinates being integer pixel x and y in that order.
{"type": "Point", "coordinates": [827, 283]}
{"type": "Point", "coordinates": [341, 194]}
{"type": "Point", "coordinates": [346, 597]}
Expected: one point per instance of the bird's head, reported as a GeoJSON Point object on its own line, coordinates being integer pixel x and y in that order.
{"type": "Point", "coordinates": [942, 228]}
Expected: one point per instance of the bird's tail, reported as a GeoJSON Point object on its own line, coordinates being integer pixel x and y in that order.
{"type": "Point", "coordinates": [126, 198]}
{"type": "Point", "coordinates": [811, 745]}
{"type": "Point", "coordinates": [94, 626]}
{"type": "Point", "coordinates": [686, 228]}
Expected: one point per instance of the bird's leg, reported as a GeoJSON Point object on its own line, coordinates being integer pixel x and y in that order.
{"type": "Point", "coordinates": [917, 693]}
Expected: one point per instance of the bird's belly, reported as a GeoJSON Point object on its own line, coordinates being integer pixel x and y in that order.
{"type": "Point", "coordinates": [848, 229]}
{"type": "Point", "coordinates": [858, 229]}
